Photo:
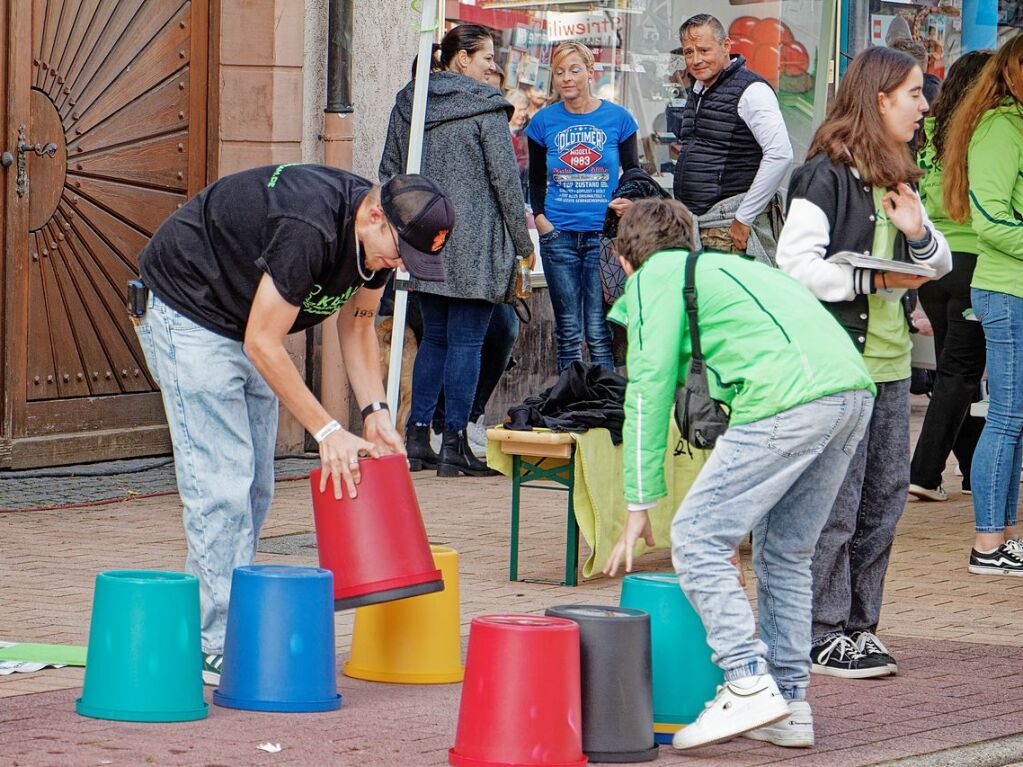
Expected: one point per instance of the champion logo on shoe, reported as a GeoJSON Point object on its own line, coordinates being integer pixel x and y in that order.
{"type": "Point", "coordinates": [1007, 559]}
{"type": "Point", "coordinates": [735, 709]}
{"type": "Point", "coordinates": [796, 731]}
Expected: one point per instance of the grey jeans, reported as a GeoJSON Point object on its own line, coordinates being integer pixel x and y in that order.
{"type": "Point", "coordinates": [851, 559]}
{"type": "Point", "coordinates": [777, 477]}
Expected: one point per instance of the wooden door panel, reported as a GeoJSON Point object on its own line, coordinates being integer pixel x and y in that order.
{"type": "Point", "coordinates": [88, 48]}
{"type": "Point", "coordinates": [158, 162]}
{"type": "Point", "coordinates": [162, 57]}
{"type": "Point", "coordinates": [113, 84]}
{"type": "Point", "coordinates": [69, 374]}
{"type": "Point", "coordinates": [165, 105]}
{"type": "Point", "coordinates": [94, 330]}
{"type": "Point", "coordinates": [143, 208]}
{"type": "Point", "coordinates": [119, 15]}
{"type": "Point", "coordinates": [63, 42]}
{"type": "Point", "coordinates": [103, 233]}
{"type": "Point", "coordinates": [42, 382]}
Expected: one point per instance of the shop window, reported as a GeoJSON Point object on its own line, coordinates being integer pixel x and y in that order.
{"type": "Point", "coordinates": [638, 55]}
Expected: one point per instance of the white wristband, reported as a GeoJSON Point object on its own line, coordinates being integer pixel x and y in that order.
{"type": "Point", "coordinates": [326, 431]}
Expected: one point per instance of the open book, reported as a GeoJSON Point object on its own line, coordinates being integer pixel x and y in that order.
{"type": "Point", "coordinates": [881, 264]}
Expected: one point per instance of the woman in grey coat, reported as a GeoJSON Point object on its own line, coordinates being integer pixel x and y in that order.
{"type": "Point", "coordinates": [467, 151]}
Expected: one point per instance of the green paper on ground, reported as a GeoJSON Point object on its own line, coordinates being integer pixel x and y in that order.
{"type": "Point", "coordinates": [50, 654]}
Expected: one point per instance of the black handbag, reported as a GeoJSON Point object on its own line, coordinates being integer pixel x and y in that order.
{"type": "Point", "coordinates": [701, 419]}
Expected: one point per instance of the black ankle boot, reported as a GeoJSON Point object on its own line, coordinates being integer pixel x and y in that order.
{"type": "Point", "coordinates": [456, 458]}
{"type": "Point", "coordinates": [417, 445]}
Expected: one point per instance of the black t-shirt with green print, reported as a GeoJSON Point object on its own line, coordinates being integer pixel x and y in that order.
{"type": "Point", "coordinates": [293, 222]}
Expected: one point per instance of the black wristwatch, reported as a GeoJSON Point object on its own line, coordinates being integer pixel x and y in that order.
{"type": "Point", "coordinates": [373, 407]}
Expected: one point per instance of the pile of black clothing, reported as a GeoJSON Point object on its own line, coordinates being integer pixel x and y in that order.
{"type": "Point", "coordinates": [584, 397]}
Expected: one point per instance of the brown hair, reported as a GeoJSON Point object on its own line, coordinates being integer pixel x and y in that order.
{"type": "Point", "coordinates": [961, 78]}
{"type": "Point", "coordinates": [914, 48]}
{"type": "Point", "coordinates": [651, 225]}
{"type": "Point", "coordinates": [853, 133]}
{"type": "Point", "coordinates": [1001, 78]}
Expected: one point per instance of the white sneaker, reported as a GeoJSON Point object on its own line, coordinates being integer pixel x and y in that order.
{"type": "Point", "coordinates": [794, 732]}
{"type": "Point", "coordinates": [436, 440]}
{"type": "Point", "coordinates": [927, 494]}
{"type": "Point", "coordinates": [739, 706]}
{"type": "Point", "coordinates": [477, 434]}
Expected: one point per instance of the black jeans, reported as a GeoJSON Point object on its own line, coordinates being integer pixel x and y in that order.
{"type": "Point", "coordinates": [960, 354]}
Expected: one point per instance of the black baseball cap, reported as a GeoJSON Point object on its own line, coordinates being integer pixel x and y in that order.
{"type": "Point", "coordinates": [423, 217]}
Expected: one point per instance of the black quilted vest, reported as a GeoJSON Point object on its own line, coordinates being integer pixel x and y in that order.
{"type": "Point", "coordinates": [719, 156]}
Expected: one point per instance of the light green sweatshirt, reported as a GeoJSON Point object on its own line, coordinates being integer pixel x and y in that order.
{"type": "Point", "coordinates": [995, 171]}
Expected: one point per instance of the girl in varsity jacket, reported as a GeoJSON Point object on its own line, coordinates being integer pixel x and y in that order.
{"type": "Point", "coordinates": [854, 194]}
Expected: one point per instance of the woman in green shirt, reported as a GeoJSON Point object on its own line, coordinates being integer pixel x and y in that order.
{"type": "Point", "coordinates": [984, 184]}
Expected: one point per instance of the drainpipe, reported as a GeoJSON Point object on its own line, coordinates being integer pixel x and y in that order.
{"type": "Point", "coordinates": [338, 136]}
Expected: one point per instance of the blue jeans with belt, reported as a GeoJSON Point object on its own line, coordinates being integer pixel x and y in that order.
{"type": "Point", "coordinates": [223, 425]}
{"type": "Point", "coordinates": [994, 475]}
{"type": "Point", "coordinates": [571, 266]}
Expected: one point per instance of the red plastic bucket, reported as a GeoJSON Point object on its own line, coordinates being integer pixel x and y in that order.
{"type": "Point", "coordinates": [375, 543]}
{"type": "Point", "coordinates": [521, 701]}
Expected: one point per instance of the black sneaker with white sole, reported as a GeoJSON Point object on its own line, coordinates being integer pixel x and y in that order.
{"type": "Point", "coordinates": [839, 656]}
{"type": "Point", "coordinates": [867, 642]}
{"type": "Point", "coordinates": [1007, 559]}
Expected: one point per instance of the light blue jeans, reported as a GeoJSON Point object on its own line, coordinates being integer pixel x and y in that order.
{"type": "Point", "coordinates": [994, 476]}
{"type": "Point", "coordinates": [777, 477]}
{"type": "Point", "coordinates": [223, 424]}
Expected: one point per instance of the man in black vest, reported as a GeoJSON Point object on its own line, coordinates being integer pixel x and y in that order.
{"type": "Point", "coordinates": [733, 139]}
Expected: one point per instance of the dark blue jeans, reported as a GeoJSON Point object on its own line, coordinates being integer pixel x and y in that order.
{"type": "Point", "coordinates": [498, 343]}
{"type": "Point", "coordinates": [448, 358]}
{"type": "Point", "coordinates": [571, 265]}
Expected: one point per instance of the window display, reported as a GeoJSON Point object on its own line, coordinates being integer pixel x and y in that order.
{"type": "Point", "coordinates": [639, 63]}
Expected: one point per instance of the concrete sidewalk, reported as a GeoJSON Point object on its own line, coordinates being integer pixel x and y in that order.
{"type": "Point", "coordinates": [958, 639]}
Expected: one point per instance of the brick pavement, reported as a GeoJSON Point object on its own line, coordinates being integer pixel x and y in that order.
{"type": "Point", "coordinates": [959, 640]}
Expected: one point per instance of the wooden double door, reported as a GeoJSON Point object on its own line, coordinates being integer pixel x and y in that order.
{"type": "Point", "coordinates": [104, 136]}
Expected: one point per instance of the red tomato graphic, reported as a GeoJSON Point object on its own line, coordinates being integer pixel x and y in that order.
{"type": "Point", "coordinates": [766, 62]}
{"type": "Point", "coordinates": [743, 46]}
{"type": "Point", "coordinates": [794, 59]}
{"type": "Point", "coordinates": [772, 32]}
{"type": "Point", "coordinates": [744, 26]}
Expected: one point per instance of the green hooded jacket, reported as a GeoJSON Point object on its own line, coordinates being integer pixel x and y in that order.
{"type": "Point", "coordinates": [768, 343]}
{"type": "Point", "coordinates": [995, 170]}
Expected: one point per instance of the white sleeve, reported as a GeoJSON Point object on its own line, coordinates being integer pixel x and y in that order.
{"type": "Point", "coordinates": [801, 247]}
{"type": "Point", "coordinates": [758, 108]}
{"type": "Point", "coordinates": [934, 251]}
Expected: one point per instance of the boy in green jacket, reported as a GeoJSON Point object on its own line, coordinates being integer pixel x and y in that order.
{"type": "Point", "coordinates": [799, 398]}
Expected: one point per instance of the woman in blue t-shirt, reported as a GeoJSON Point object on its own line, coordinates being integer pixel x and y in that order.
{"type": "Point", "coordinates": [577, 148]}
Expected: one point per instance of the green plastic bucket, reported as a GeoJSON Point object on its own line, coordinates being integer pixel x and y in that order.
{"type": "Point", "coordinates": [684, 676]}
{"type": "Point", "coordinates": [144, 662]}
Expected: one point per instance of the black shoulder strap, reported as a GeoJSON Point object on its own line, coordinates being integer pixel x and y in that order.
{"type": "Point", "coordinates": [689, 291]}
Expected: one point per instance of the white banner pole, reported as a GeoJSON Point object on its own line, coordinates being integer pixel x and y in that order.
{"type": "Point", "coordinates": [413, 165]}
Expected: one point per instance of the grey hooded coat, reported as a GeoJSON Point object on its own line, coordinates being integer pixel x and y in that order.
{"type": "Point", "coordinates": [467, 150]}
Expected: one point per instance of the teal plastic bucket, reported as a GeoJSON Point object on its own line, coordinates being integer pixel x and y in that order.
{"type": "Point", "coordinates": [144, 662]}
{"type": "Point", "coordinates": [685, 678]}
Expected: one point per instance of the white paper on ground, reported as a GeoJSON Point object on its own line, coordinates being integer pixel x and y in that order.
{"type": "Point", "coordinates": [270, 748]}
